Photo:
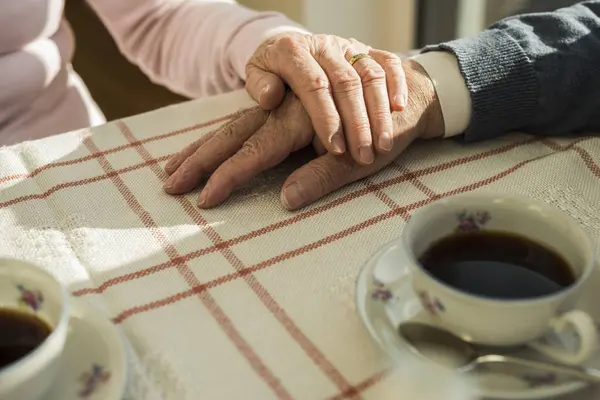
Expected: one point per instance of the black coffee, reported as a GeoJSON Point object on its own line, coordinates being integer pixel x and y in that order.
{"type": "Point", "coordinates": [497, 265]}
{"type": "Point", "coordinates": [20, 333]}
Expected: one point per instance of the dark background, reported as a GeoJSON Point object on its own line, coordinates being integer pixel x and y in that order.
{"type": "Point", "coordinates": [437, 18]}
{"type": "Point", "coordinates": [119, 87]}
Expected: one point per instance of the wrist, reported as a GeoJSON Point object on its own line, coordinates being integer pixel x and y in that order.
{"type": "Point", "coordinates": [423, 102]}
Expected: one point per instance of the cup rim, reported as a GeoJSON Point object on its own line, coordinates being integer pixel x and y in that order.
{"type": "Point", "coordinates": [581, 279]}
{"type": "Point", "coordinates": [62, 322]}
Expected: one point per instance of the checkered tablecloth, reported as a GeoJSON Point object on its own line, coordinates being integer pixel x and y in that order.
{"type": "Point", "coordinates": [247, 300]}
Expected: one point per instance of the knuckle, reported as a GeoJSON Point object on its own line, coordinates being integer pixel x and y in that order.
{"type": "Point", "coordinates": [287, 45]}
{"type": "Point", "coordinates": [373, 73]}
{"type": "Point", "coordinates": [346, 80]}
{"type": "Point", "coordinates": [286, 42]}
{"type": "Point", "coordinates": [322, 53]}
{"type": "Point", "coordinates": [324, 179]}
{"type": "Point", "coordinates": [317, 84]}
{"type": "Point", "coordinates": [386, 55]}
{"type": "Point", "coordinates": [330, 177]}
{"type": "Point", "coordinates": [270, 54]}
{"type": "Point", "coordinates": [226, 132]}
{"type": "Point", "coordinates": [251, 148]}
{"type": "Point", "coordinates": [382, 114]}
{"type": "Point", "coordinates": [390, 60]}
{"type": "Point", "coordinates": [246, 117]}
{"type": "Point", "coordinates": [360, 125]}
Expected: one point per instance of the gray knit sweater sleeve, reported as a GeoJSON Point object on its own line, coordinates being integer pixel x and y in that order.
{"type": "Point", "coordinates": [537, 73]}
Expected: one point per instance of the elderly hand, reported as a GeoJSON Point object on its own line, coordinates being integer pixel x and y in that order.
{"type": "Point", "coordinates": [256, 140]}
{"type": "Point", "coordinates": [318, 70]}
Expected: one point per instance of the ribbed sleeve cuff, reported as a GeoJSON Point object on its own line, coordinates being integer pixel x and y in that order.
{"type": "Point", "coordinates": [501, 81]}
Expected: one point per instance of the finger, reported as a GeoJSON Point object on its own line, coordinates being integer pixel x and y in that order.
{"type": "Point", "coordinates": [377, 101]}
{"type": "Point", "coordinates": [226, 141]}
{"type": "Point", "coordinates": [326, 174]}
{"type": "Point", "coordinates": [395, 78]}
{"type": "Point", "coordinates": [176, 160]}
{"type": "Point", "coordinates": [296, 65]}
{"type": "Point", "coordinates": [317, 178]}
{"type": "Point", "coordinates": [348, 94]}
{"type": "Point", "coordinates": [262, 151]}
{"type": "Point", "coordinates": [267, 89]}
{"type": "Point", "coordinates": [318, 146]}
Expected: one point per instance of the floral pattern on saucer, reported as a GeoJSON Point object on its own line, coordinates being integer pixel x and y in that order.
{"type": "Point", "coordinates": [472, 221]}
{"type": "Point", "coordinates": [30, 298]}
{"type": "Point", "coordinates": [381, 320]}
{"type": "Point", "coordinates": [381, 293]}
{"type": "Point", "coordinates": [432, 304]}
{"type": "Point", "coordinates": [91, 380]}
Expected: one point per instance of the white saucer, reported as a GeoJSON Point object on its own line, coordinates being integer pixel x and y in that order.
{"type": "Point", "coordinates": [94, 360]}
{"type": "Point", "coordinates": [384, 299]}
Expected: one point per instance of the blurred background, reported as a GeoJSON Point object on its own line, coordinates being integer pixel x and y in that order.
{"type": "Point", "coordinates": [120, 89]}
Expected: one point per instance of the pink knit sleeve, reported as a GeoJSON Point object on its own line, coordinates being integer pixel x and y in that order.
{"type": "Point", "coordinates": [193, 47]}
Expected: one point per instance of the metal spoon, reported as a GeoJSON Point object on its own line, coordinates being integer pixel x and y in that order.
{"type": "Point", "coordinates": [423, 338]}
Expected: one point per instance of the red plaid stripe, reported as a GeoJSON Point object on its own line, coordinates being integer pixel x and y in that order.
{"type": "Point", "coordinates": [398, 210]}
{"type": "Point", "coordinates": [585, 156]}
{"type": "Point", "coordinates": [205, 297]}
{"type": "Point", "coordinates": [259, 290]}
{"type": "Point", "coordinates": [390, 182]}
{"type": "Point", "coordinates": [82, 182]}
{"type": "Point", "coordinates": [245, 272]}
{"type": "Point", "coordinates": [99, 153]}
{"type": "Point", "coordinates": [415, 180]}
{"type": "Point", "coordinates": [364, 385]}
{"type": "Point", "coordinates": [370, 188]}
{"type": "Point", "coordinates": [385, 199]}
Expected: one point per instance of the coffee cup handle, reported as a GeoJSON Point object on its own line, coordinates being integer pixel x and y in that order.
{"type": "Point", "coordinates": [584, 327]}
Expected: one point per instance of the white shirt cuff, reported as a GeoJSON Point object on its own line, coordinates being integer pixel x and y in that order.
{"type": "Point", "coordinates": [451, 89]}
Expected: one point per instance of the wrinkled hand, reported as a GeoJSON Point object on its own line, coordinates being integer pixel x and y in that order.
{"type": "Point", "coordinates": [256, 140]}
{"type": "Point", "coordinates": [347, 104]}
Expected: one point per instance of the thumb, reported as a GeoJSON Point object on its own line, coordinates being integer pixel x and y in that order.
{"type": "Point", "coordinates": [267, 89]}
{"type": "Point", "coordinates": [318, 178]}
{"type": "Point", "coordinates": [326, 174]}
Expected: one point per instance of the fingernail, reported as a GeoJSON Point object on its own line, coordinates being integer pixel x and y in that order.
{"type": "Point", "coordinates": [263, 92]}
{"type": "Point", "coordinates": [385, 141]}
{"type": "Point", "coordinates": [365, 154]}
{"type": "Point", "coordinates": [404, 100]}
{"type": "Point", "coordinates": [203, 196]}
{"type": "Point", "coordinates": [399, 101]}
{"type": "Point", "coordinates": [337, 144]}
{"type": "Point", "coordinates": [169, 183]}
{"type": "Point", "coordinates": [293, 196]}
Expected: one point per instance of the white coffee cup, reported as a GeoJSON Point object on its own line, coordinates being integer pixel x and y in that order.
{"type": "Point", "coordinates": [29, 289]}
{"type": "Point", "coordinates": [505, 322]}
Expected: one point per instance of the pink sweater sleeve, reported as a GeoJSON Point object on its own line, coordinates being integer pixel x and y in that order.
{"type": "Point", "coordinates": [193, 47]}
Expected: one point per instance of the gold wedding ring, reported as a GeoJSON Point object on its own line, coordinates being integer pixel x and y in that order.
{"type": "Point", "coordinates": [357, 57]}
